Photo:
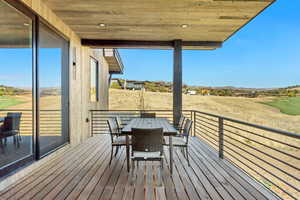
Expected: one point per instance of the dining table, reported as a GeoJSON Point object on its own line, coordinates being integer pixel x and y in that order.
{"type": "Point", "coordinates": [150, 123]}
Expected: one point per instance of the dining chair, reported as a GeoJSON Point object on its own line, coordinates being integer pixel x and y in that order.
{"type": "Point", "coordinates": [116, 140]}
{"type": "Point", "coordinates": [16, 123]}
{"type": "Point", "coordinates": [9, 128]}
{"type": "Point", "coordinates": [147, 145]}
{"type": "Point", "coordinates": [148, 115]}
{"type": "Point", "coordinates": [182, 142]}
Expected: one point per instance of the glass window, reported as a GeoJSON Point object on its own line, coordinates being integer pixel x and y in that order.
{"type": "Point", "coordinates": [16, 121]}
{"type": "Point", "coordinates": [94, 89]}
{"type": "Point", "coordinates": [53, 90]}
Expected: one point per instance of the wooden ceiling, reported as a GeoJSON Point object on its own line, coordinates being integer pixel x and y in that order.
{"type": "Point", "coordinates": [15, 28]}
{"type": "Point", "coordinates": [157, 20]}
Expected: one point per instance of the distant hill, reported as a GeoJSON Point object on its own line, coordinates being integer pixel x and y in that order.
{"type": "Point", "coordinates": [162, 86]}
{"type": "Point", "coordinates": [8, 90]}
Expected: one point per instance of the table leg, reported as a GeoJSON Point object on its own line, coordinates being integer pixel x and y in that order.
{"type": "Point", "coordinates": [127, 153]}
{"type": "Point", "coordinates": [171, 154]}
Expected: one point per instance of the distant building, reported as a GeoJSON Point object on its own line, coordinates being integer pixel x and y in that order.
{"type": "Point", "coordinates": [129, 84]}
{"type": "Point", "coordinates": [133, 85]}
{"type": "Point", "coordinates": [191, 92]}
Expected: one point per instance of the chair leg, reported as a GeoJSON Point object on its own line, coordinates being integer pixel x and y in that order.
{"type": "Point", "coordinates": [117, 150]}
{"type": "Point", "coordinates": [111, 154]}
{"type": "Point", "coordinates": [159, 177]}
{"type": "Point", "coordinates": [187, 155]}
{"type": "Point", "coordinates": [2, 146]}
{"type": "Point", "coordinates": [132, 172]}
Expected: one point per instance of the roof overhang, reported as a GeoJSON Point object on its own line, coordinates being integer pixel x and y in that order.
{"type": "Point", "coordinates": [155, 24]}
{"type": "Point", "coordinates": [129, 44]}
{"type": "Point", "coordinates": [115, 64]}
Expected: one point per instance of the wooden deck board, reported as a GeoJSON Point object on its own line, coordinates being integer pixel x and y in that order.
{"type": "Point", "coordinates": [84, 173]}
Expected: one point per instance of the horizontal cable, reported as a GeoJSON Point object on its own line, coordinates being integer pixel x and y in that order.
{"type": "Point", "coordinates": [290, 145]}
{"type": "Point", "coordinates": [257, 172]}
{"type": "Point", "coordinates": [262, 167]}
{"type": "Point", "coordinates": [263, 144]}
{"type": "Point", "coordinates": [262, 159]}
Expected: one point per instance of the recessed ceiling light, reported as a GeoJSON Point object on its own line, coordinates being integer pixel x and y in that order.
{"type": "Point", "coordinates": [101, 25]}
{"type": "Point", "coordinates": [184, 25]}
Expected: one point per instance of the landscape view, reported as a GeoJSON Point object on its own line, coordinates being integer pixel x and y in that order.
{"type": "Point", "coordinates": [277, 108]}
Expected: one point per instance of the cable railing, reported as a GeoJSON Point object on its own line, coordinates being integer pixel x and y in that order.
{"type": "Point", "coordinates": [269, 155]}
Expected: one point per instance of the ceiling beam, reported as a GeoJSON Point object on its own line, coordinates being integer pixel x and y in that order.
{"type": "Point", "coordinates": [138, 44]}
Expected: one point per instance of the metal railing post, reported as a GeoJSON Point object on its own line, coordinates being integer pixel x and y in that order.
{"type": "Point", "coordinates": [194, 123]}
{"type": "Point", "coordinates": [92, 125]}
{"type": "Point", "coordinates": [221, 138]}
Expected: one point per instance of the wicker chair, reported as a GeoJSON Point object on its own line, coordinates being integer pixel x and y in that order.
{"type": "Point", "coordinates": [16, 123]}
{"type": "Point", "coordinates": [116, 140]}
{"type": "Point", "coordinates": [148, 115]}
{"type": "Point", "coordinates": [147, 145]}
{"type": "Point", "coordinates": [183, 141]}
{"type": "Point", "coordinates": [10, 128]}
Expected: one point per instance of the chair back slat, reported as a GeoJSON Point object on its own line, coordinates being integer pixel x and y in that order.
{"type": "Point", "coordinates": [119, 122]}
{"type": "Point", "coordinates": [181, 122]}
{"type": "Point", "coordinates": [187, 127]}
{"type": "Point", "coordinates": [147, 140]}
{"type": "Point", "coordinates": [113, 128]}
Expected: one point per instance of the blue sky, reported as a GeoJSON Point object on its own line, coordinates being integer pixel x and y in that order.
{"type": "Point", "coordinates": [264, 54]}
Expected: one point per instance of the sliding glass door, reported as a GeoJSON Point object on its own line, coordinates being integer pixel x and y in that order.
{"type": "Point", "coordinates": [16, 83]}
{"type": "Point", "coordinates": [53, 90]}
{"type": "Point", "coordinates": [34, 86]}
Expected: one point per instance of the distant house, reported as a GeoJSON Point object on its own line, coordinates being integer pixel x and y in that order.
{"type": "Point", "coordinates": [191, 92]}
{"type": "Point", "coordinates": [129, 84]}
{"type": "Point", "coordinates": [133, 85]}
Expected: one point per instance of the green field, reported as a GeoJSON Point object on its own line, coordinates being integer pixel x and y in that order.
{"type": "Point", "coordinates": [6, 101]}
{"type": "Point", "coordinates": [287, 105]}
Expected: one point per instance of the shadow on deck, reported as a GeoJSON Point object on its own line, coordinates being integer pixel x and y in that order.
{"type": "Point", "coordinates": [83, 173]}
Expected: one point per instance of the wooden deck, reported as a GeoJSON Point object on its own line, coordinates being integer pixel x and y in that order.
{"type": "Point", "coordinates": [83, 173]}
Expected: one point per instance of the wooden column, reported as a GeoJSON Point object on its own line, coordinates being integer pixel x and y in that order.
{"type": "Point", "coordinates": [177, 81]}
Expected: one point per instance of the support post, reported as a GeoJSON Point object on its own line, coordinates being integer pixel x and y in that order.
{"type": "Point", "coordinates": [177, 81]}
{"type": "Point", "coordinates": [221, 138]}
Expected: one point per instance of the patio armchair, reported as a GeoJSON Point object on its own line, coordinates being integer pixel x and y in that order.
{"type": "Point", "coordinates": [16, 123]}
{"type": "Point", "coordinates": [147, 145]}
{"type": "Point", "coordinates": [148, 115]}
{"type": "Point", "coordinates": [183, 141]}
{"type": "Point", "coordinates": [10, 128]}
{"type": "Point", "coordinates": [115, 135]}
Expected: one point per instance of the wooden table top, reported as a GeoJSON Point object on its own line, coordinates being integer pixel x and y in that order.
{"type": "Point", "coordinates": [168, 129]}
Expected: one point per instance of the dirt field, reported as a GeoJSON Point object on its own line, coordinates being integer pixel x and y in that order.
{"type": "Point", "coordinates": [245, 109]}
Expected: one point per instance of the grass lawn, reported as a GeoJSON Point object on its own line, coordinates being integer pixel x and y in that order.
{"type": "Point", "coordinates": [287, 105]}
{"type": "Point", "coordinates": [6, 101]}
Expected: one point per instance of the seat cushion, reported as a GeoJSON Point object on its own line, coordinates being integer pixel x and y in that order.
{"type": "Point", "coordinates": [146, 155]}
{"type": "Point", "coordinates": [121, 140]}
{"type": "Point", "coordinates": [177, 141]}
